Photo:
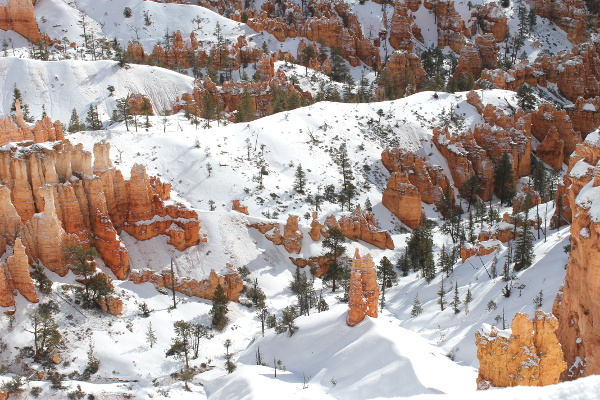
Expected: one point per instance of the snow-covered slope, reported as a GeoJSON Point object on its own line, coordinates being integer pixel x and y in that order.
{"type": "Point", "coordinates": [61, 86]}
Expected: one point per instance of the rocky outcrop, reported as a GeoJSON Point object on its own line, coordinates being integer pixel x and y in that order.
{"type": "Point", "coordinates": [55, 197]}
{"type": "Point", "coordinates": [577, 305]}
{"type": "Point", "coordinates": [469, 62]}
{"type": "Point", "coordinates": [430, 180]}
{"type": "Point", "coordinates": [585, 115]}
{"type": "Point", "coordinates": [479, 249]}
{"type": "Point", "coordinates": [363, 295]}
{"type": "Point", "coordinates": [552, 149]}
{"type": "Point", "coordinates": [237, 206]}
{"type": "Point", "coordinates": [18, 16]}
{"type": "Point", "coordinates": [402, 74]}
{"type": "Point", "coordinates": [111, 304]}
{"type": "Point", "coordinates": [526, 194]}
{"type": "Point", "coordinates": [403, 30]}
{"type": "Point", "coordinates": [546, 119]}
{"type": "Point", "coordinates": [14, 276]}
{"type": "Point", "coordinates": [452, 30]}
{"type": "Point", "coordinates": [490, 19]}
{"type": "Point", "coordinates": [17, 130]}
{"type": "Point", "coordinates": [291, 239]}
{"type": "Point", "coordinates": [231, 282]}
{"type": "Point", "coordinates": [318, 264]}
{"type": "Point", "coordinates": [361, 225]}
{"type": "Point", "coordinates": [528, 354]}
{"type": "Point", "coordinates": [569, 15]}
{"type": "Point", "coordinates": [228, 96]}
{"type": "Point", "coordinates": [402, 198]}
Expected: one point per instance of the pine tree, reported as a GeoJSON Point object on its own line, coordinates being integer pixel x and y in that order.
{"type": "Point", "coordinates": [525, 98]}
{"type": "Point", "coordinates": [505, 180]}
{"type": "Point", "coordinates": [539, 300]}
{"type": "Point", "coordinates": [24, 107]}
{"type": "Point", "coordinates": [524, 241]}
{"type": "Point", "coordinates": [256, 295]}
{"type": "Point", "coordinates": [456, 300]}
{"type": "Point", "coordinates": [151, 336]}
{"type": "Point", "coordinates": [146, 110]}
{"type": "Point", "coordinates": [229, 364]}
{"type": "Point", "coordinates": [93, 119]}
{"type": "Point", "coordinates": [124, 111]}
{"type": "Point", "coordinates": [299, 179]}
{"type": "Point", "coordinates": [403, 264]}
{"type": "Point", "coordinates": [419, 250]}
{"type": "Point", "coordinates": [348, 191]}
{"type": "Point", "coordinates": [219, 309]}
{"type": "Point", "coordinates": [209, 107]}
{"type": "Point", "coordinates": [470, 190]}
{"type": "Point", "coordinates": [387, 277]}
{"type": "Point", "coordinates": [441, 293]}
{"type": "Point", "coordinates": [417, 309]}
{"type": "Point", "coordinates": [74, 123]}
{"type": "Point", "coordinates": [446, 261]}
{"type": "Point", "coordinates": [287, 322]}
{"type": "Point", "coordinates": [335, 249]}
{"type": "Point", "coordinates": [246, 109]}
{"type": "Point", "coordinates": [181, 344]}
{"type": "Point", "coordinates": [468, 299]}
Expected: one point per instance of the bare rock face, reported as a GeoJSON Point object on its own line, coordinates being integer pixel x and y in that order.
{"type": "Point", "coordinates": [403, 29]}
{"type": "Point", "coordinates": [14, 276]}
{"type": "Point", "coordinates": [237, 206]}
{"type": "Point", "coordinates": [479, 249]}
{"type": "Point", "coordinates": [363, 295]}
{"type": "Point", "coordinates": [452, 30]}
{"type": "Point", "coordinates": [17, 130]}
{"type": "Point", "coordinates": [291, 238]}
{"type": "Point", "coordinates": [469, 62]}
{"type": "Point", "coordinates": [111, 304]}
{"type": "Point", "coordinates": [402, 69]}
{"type": "Point", "coordinates": [490, 20]}
{"type": "Point", "coordinates": [520, 200]}
{"type": "Point", "coordinates": [429, 179]}
{"type": "Point", "coordinates": [547, 117]}
{"type": "Point", "coordinates": [552, 149]}
{"type": "Point", "coordinates": [577, 305]}
{"type": "Point", "coordinates": [56, 198]}
{"type": "Point", "coordinates": [402, 198]}
{"type": "Point", "coordinates": [231, 282]}
{"type": "Point", "coordinates": [18, 16]}
{"type": "Point", "coordinates": [361, 225]}
{"type": "Point", "coordinates": [585, 115]}
{"type": "Point", "coordinates": [527, 355]}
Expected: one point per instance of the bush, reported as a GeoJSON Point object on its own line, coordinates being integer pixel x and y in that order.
{"type": "Point", "coordinates": [127, 12]}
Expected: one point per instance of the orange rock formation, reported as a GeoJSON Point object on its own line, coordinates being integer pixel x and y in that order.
{"type": "Point", "coordinates": [17, 130]}
{"type": "Point", "coordinates": [231, 282]}
{"type": "Point", "coordinates": [14, 275]}
{"type": "Point", "coordinates": [402, 198]}
{"type": "Point", "coordinates": [528, 355]}
{"type": "Point", "coordinates": [291, 238]}
{"type": "Point", "coordinates": [577, 305]}
{"type": "Point", "coordinates": [363, 295]}
{"type": "Point", "coordinates": [18, 16]}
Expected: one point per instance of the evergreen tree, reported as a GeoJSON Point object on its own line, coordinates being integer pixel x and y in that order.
{"type": "Point", "coordinates": [95, 284]}
{"type": "Point", "coordinates": [339, 69]}
{"type": "Point", "coordinates": [93, 119]}
{"type": "Point", "coordinates": [417, 309]}
{"type": "Point", "coordinates": [299, 179]}
{"type": "Point", "coordinates": [288, 321]}
{"type": "Point", "coordinates": [504, 179]}
{"type": "Point", "coordinates": [348, 191]}
{"type": "Point", "coordinates": [470, 190]}
{"type": "Point", "coordinates": [334, 248]}
{"type": "Point", "coordinates": [468, 299]}
{"type": "Point", "coordinates": [209, 107]}
{"type": "Point", "coordinates": [256, 295]}
{"type": "Point", "coordinates": [441, 293]}
{"type": "Point", "coordinates": [146, 111]}
{"type": "Point", "coordinates": [151, 336]}
{"type": "Point", "coordinates": [181, 344]}
{"type": "Point", "coordinates": [403, 264]}
{"type": "Point", "coordinates": [219, 309]}
{"type": "Point", "coordinates": [525, 98]}
{"type": "Point", "coordinates": [524, 241]}
{"type": "Point", "coordinates": [456, 300]}
{"type": "Point", "coordinates": [419, 250]}
{"type": "Point", "coordinates": [387, 277]}
{"type": "Point", "coordinates": [44, 328]}
{"type": "Point", "coordinates": [124, 111]}
{"type": "Point", "coordinates": [75, 124]}
{"type": "Point", "coordinates": [229, 364]}
{"type": "Point", "coordinates": [446, 261]}
{"type": "Point", "coordinates": [307, 54]}
{"type": "Point", "coordinates": [246, 109]}
{"type": "Point", "coordinates": [24, 107]}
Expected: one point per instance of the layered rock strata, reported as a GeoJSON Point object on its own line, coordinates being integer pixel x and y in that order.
{"type": "Point", "coordinates": [14, 276]}
{"type": "Point", "coordinates": [18, 16]}
{"type": "Point", "coordinates": [528, 354]}
{"type": "Point", "coordinates": [17, 130]}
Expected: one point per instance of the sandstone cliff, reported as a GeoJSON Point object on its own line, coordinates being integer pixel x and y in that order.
{"type": "Point", "coordinates": [577, 305]}
{"type": "Point", "coordinates": [527, 355]}
{"type": "Point", "coordinates": [17, 130]}
{"type": "Point", "coordinates": [402, 198]}
{"type": "Point", "coordinates": [18, 16]}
